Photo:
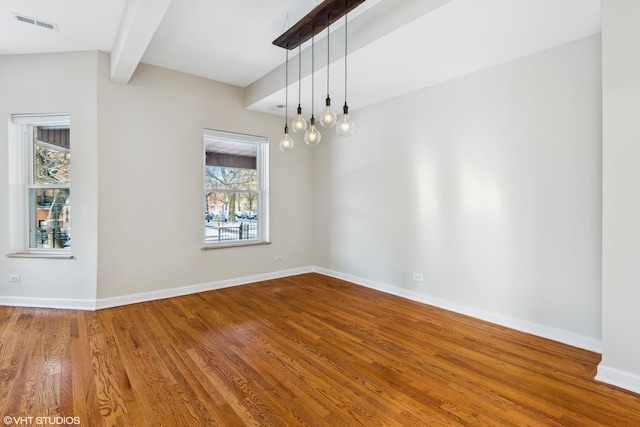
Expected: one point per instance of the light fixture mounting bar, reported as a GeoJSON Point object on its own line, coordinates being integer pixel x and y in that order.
{"type": "Point", "coordinates": [317, 20]}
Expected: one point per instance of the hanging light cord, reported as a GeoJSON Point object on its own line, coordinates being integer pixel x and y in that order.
{"type": "Point", "coordinates": [299, 70]}
{"type": "Point", "coordinates": [345, 58]}
{"type": "Point", "coordinates": [328, 56]}
{"type": "Point", "coordinates": [286, 89]}
{"type": "Point", "coordinates": [312, 68]}
{"type": "Point", "coordinates": [286, 74]}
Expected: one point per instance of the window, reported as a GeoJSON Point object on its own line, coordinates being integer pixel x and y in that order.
{"type": "Point", "coordinates": [235, 189]}
{"type": "Point", "coordinates": [40, 184]}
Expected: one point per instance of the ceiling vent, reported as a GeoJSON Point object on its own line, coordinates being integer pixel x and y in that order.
{"type": "Point", "coordinates": [276, 107]}
{"type": "Point", "coordinates": [37, 22]}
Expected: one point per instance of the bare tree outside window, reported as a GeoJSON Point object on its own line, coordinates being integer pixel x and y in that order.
{"type": "Point", "coordinates": [50, 193]}
{"type": "Point", "coordinates": [232, 179]}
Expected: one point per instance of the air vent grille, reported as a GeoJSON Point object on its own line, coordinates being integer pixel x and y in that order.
{"type": "Point", "coordinates": [25, 19]}
{"type": "Point", "coordinates": [37, 22]}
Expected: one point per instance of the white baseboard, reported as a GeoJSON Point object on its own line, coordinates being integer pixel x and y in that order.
{"type": "Point", "coordinates": [192, 289]}
{"type": "Point", "coordinates": [544, 331]}
{"type": "Point", "coordinates": [618, 378]}
{"type": "Point", "coordinates": [69, 304]}
{"type": "Point", "coordinates": [144, 296]}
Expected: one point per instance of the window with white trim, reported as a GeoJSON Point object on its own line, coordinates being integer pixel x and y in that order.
{"type": "Point", "coordinates": [40, 184]}
{"type": "Point", "coordinates": [235, 189]}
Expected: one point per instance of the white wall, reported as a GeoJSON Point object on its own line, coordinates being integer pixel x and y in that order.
{"type": "Point", "coordinates": [150, 180]}
{"type": "Point", "coordinates": [51, 84]}
{"type": "Point", "coordinates": [488, 185]}
{"type": "Point", "coordinates": [621, 199]}
{"type": "Point", "coordinates": [137, 184]}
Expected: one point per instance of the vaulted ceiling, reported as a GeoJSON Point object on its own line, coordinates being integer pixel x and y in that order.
{"type": "Point", "coordinates": [394, 46]}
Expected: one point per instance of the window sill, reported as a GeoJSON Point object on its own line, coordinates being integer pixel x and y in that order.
{"type": "Point", "coordinates": [40, 255]}
{"type": "Point", "coordinates": [235, 245]}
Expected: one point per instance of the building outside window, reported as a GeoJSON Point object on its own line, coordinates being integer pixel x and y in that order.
{"type": "Point", "coordinates": [235, 188]}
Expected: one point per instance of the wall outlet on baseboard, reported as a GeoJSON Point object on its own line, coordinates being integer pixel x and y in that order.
{"type": "Point", "coordinates": [418, 277]}
{"type": "Point", "coordinates": [279, 258]}
{"type": "Point", "coordinates": [14, 277]}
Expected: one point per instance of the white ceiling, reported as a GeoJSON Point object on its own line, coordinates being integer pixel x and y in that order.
{"type": "Point", "coordinates": [395, 46]}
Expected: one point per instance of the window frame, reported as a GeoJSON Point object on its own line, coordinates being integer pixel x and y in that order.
{"type": "Point", "coordinates": [22, 183]}
{"type": "Point", "coordinates": [262, 175]}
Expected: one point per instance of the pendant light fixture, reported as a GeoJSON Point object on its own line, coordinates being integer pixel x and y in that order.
{"type": "Point", "coordinates": [325, 14]}
{"type": "Point", "coordinates": [299, 124]}
{"type": "Point", "coordinates": [328, 117]}
{"type": "Point", "coordinates": [345, 126]}
{"type": "Point", "coordinates": [286, 143]}
{"type": "Point", "coordinates": [312, 135]}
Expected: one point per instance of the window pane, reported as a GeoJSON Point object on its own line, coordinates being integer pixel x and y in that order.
{"type": "Point", "coordinates": [52, 156]}
{"type": "Point", "coordinates": [231, 216]}
{"type": "Point", "coordinates": [50, 218]}
{"type": "Point", "coordinates": [218, 178]}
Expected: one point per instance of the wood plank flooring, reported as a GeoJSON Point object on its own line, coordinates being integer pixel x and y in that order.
{"type": "Point", "coordinates": [307, 350]}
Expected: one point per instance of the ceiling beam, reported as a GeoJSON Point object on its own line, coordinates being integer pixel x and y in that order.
{"type": "Point", "coordinates": [328, 12]}
{"type": "Point", "coordinates": [139, 23]}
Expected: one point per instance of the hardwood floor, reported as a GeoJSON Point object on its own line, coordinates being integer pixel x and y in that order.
{"type": "Point", "coordinates": [305, 350]}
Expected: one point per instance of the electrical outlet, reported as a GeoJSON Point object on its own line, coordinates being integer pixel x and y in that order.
{"type": "Point", "coordinates": [418, 277]}
{"type": "Point", "coordinates": [14, 277]}
{"type": "Point", "coordinates": [279, 258]}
